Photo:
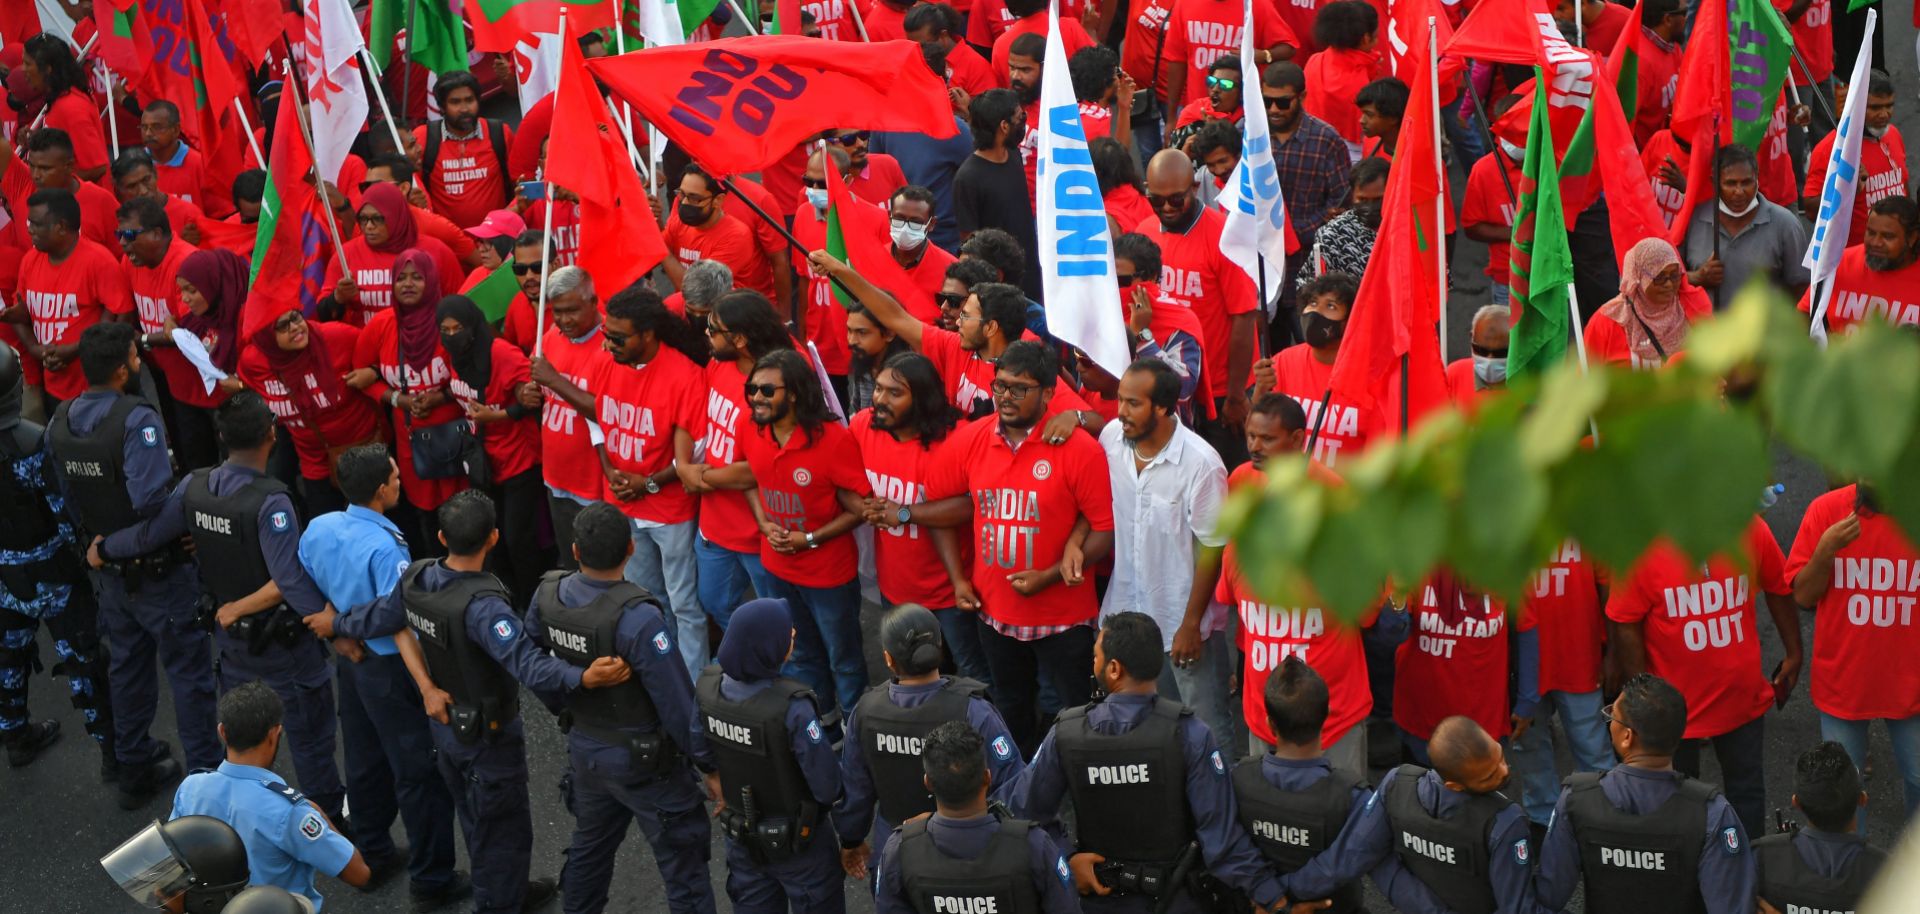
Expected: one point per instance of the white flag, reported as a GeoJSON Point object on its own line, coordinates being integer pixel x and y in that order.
{"type": "Point", "coordinates": [1256, 209]}
{"type": "Point", "coordinates": [536, 66]}
{"type": "Point", "coordinates": [338, 96]}
{"type": "Point", "coordinates": [1830, 228]}
{"type": "Point", "coordinates": [1076, 250]}
{"type": "Point", "coordinates": [660, 23]}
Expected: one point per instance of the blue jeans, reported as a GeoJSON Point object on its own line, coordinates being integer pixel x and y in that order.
{"type": "Point", "coordinates": [1499, 294]}
{"type": "Point", "coordinates": [724, 575]}
{"type": "Point", "coordinates": [1207, 688]}
{"type": "Point", "coordinates": [1468, 143]}
{"type": "Point", "coordinates": [1905, 735]}
{"type": "Point", "coordinates": [1531, 755]}
{"type": "Point", "coordinates": [663, 563]}
{"type": "Point", "coordinates": [961, 630]}
{"type": "Point", "coordinates": [826, 639]}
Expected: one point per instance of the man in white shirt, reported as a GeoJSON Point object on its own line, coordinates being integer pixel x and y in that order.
{"type": "Point", "coordinates": [1168, 485]}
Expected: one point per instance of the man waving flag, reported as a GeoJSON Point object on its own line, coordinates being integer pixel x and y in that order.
{"type": "Point", "coordinates": [1255, 237]}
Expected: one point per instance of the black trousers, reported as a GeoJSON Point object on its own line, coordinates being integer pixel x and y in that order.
{"type": "Point", "coordinates": [1064, 659]}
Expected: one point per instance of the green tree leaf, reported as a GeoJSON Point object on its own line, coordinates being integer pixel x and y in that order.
{"type": "Point", "coordinates": [1851, 406]}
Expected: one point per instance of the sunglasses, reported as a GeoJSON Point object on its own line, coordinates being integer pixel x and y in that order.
{"type": "Point", "coordinates": [1282, 102]}
{"type": "Point", "coordinates": [1222, 83]}
{"type": "Point", "coordinates": [127, 235]}
{"type": "Point", "coordinates": [1127, 280]}
{"type": "Point", "coordinates": [522, 269]}
{"type": "Point", "coordinates": [853, 139]}
{"type": "Point", "coordinates": [815, 183]}
{"type": "Point", "coordinates": [616, 340]}
{"type": "Point", "coordinates": [951, 300]}
{"type": "Point", "coordinates": [765, 391]}
{"type": "Point", "coordinates": [1159, 200]}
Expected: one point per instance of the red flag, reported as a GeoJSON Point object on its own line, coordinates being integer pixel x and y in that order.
{"type": "Point", "coordinates": [1399, 302]}
{"type": "Point", "coordinates": [238, 237]}
{"type": "Point", "coordinates": [1399, 20]}
{"type": "Point", "coordinates": [862, 229]}
{"type": "Point", "coordinates": [291, 254]}
{"type": "Point", "coordinates": [739, 104]}
{"type": "Point", "coordinates": [1522, 32]}
{"type": "Point", "coordinates": [252, 26]}
{"type": "Point", "coordinates": [126, 42]}
{"type": "Point", "coordinates": [621, 242]}
{"type": "Point", "coordinates": [1702, 107]}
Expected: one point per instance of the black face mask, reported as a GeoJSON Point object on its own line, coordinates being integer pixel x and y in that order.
{"type": "Point", "coordinates": [1865, 499]}
{"type": "Point", "coordinates": [691, 215]}
{"type": "Point", "coordinates": [457, 343]}
{"type": "Point", "coordinates": [1321, 330]}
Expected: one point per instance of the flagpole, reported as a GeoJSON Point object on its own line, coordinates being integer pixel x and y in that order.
{"type": "Point", "coordinates": [752, 27]}
{"type": "Point", "coordinates": [1716, 209]}
{"type": "Point", "coordinates": [1826, 103]}
{"type": "Point", "coordinates": [319, 180]}
{"type": "Point", "coordinates": [859, 22]}
{"type": "Point", "coordinates": [1493, 143]}
{"type": "Point", "coordinates": [1580, 347]}
{"type": "Point", "coordinates": [106, 110]}
{"type": "Point", "coordinates": [781, 227]}
{"type": "Point", "coordinates": [380, 93]}
{"type": "Point", "coordinates": [1319, 422]}
{"type": "Point", "coordinates": [546, 231]}
{"type": "Point", "coordinates": [1439, 205]}
{"type": "Point", "coordinates": [252, 142]}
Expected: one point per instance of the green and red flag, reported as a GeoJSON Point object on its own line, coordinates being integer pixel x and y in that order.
{"type": "Point", "coordinates": [495, 291]}
{"type": "Point", "coordinates": [290, 246]}
{"type": "Point", "coordinates": [126, 41]}
{"type": "Point", "coordinates": [857, 234]}
{"type": "Point", "coordinates": [499, 25]}
{"type": "Point", "coordinates": [1542, 263]}
{"type": "Point", "coordinates": [438, 40]}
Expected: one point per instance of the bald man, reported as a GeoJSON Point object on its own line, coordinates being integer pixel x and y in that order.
{"type": "Point", "coordinates": [1194, 274]}
{"type": "Point", "coordinates": [1441, 839]}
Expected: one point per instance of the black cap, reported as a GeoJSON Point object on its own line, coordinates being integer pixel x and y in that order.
{"type": "Point", "coordinates": [213, 854]}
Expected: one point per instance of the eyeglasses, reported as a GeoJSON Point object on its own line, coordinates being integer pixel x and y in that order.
{"type": "Point", "coordinates": [1488, 351]}
{"type": "Point", "coordinates": [1606, 714]}
{"type": "Point", "coordinates": [289, 321]}
{"type": "Point", "coordinates": [969, 317]}
{"type": "Point", "coordinates": [1014, 392]}
{"type": "Point", "coordinates": [764, 391]}
{"type": "Point", "coordinates": [126, 236]}
{"type": "Point", "coordinates": [714, 329]}
{"type": "Point", "coordinates": [1666, 278]}
{"type": "Point", "coordinates": [815, 183]}
{"type": "Point", "coordinates": [1282, 102]}
{"type": "Point", "coordinates": [371, 219]}
{"type": "Point", "coordinates": [950, 300]}
{"type": "Point", "coordinates": [853, 139]}
{"type": "Point", "coordinates": [695, 199]}
{"type": "Point", "coordinates": [1222, 83]}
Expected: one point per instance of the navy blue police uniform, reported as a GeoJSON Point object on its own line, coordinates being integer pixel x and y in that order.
{"type": "Point", "coordinates": [983, 864]}
{"type": "Point", "coordinates": [1675, 840]}
{"type": "Point", "coordinates": [1294, 809]}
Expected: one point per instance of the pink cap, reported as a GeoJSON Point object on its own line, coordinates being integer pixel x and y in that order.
{"type": "Point", "coordinates": [499, 223]}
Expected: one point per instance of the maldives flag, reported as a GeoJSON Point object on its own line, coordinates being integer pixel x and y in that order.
{"type": "Point", "coordinates": [1522, 32]}
{"type": "Point", "coordinates": [620, 241]}
{"type": "Point", "coordinates": [252, 26]}
{"type": "Point", "coordinates": [857, 233]}
{"type": "Point", "coordinates": [1391, 331]}
{"type": "Point", "coordinates": [498, 25]}
{"type": "Point", "coordinates": [739, 104]}
{"type": "Point", "coordinates": [289, 253]}
{"type": "Point", "coordinates": [1542, 264]}
{"type": "Point", "coordinates": [126, 41]}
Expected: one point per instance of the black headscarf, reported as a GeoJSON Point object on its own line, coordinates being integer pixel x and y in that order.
{"type": "Point", "coordinates": [471, 350]}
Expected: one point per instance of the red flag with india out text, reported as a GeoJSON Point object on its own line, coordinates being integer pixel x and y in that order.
{"type": "Point", "coordinates": [620, 241]}
{"type": "Point", "coordinates": [738, 104]}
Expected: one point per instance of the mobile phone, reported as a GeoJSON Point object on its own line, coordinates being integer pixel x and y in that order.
{"type": "Point", "coordinates": [533, 190]}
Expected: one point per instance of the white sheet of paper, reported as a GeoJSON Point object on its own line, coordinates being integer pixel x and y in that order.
{"type": "Point", "coordinates": [196, 353]}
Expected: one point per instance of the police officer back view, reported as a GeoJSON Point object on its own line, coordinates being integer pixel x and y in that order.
{"type": "Point", "coordinates": [110, 450]}
{"type": "Point", "coordinates": [1647, 839]}
{"type": "Point", "coordinates": [1828, 865]}
{"type": "Point", "coordinates": [466, 652]}
{"type": "Point", "coordinates": [880, 760]}
{"type": "Point", "coordinates": [41, 579]}
{"type": "Point", "coordinates": [966, 858]}
{"type": "Point", "coordinates": [629, 745]}
{"type": "Point", "coordinates": [246, 540]}
{"type": "Point", "coordinates": [778, 774]}
{"type": "Point", "coordinates": [1446, 838]}
{"type": "Point", "coordinates": [1152, 802]}
{"type": "Point", "coordinates": [1292, 801]}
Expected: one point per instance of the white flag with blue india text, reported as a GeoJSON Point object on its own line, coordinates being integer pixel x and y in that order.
{"type": "Point", "coordinates": [1256, 208]}
{"type": "Point", "coordinates": [1835, 217]}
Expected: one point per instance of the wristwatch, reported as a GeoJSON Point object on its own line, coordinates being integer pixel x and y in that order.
{"type": "Point", "coordinates": [1145, 337]}
{"type": "Point", "coordinates": [904, 516]}
{"type": "Point", "coordinates": [652, 486]}
{"type": "Point", "coordinates": [810, 540]}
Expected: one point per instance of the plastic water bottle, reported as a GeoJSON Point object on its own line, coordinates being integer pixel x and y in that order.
{"type": "Point", "coordinates": [1770, 495]}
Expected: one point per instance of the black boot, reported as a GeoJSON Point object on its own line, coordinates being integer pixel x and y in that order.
{"type": "Point", "coordinates": [138, 787]}
{"type": "Point", "coordinates": [25, 744]}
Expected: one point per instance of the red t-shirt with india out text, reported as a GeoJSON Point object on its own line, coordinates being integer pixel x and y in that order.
{"type": "Point", "coordinates": [1203, 30]}
{"type": "Point", "coordinates": [1863, 627]}
{"type": "Point", "coordinates": [1861, 294]}
{"type": "Point", "coordinates": [65, 299]}
{"type": "Point", "coordinates": [567, 459]}
{"type": "Point", "coordinates": [566, 227]}
{"type": "Point", "coordinates": [1025, 503]}
{"type": "Point", "coordinates": [1454, 661]}
{"type": "Point", "coordinates": [1654, 154]}
{"type": "Point", "coordinates": [1270, 634]}
{"type": "Point", "coordinates": [909, 566]}
{"type": "Point", "coordinates": [1883, 174]}
{"type": "Point", "coordinates": [1347, 429]}
{"type": "Point", "coordinates": [798, 486]}
{"type": "Point", "coordinates": [1563, 601]}
{"type": "Point", "coordinates": [156, 296]}
{"type": "Point", "coordinates": [1196, 275]}
{"type": "Point", "coordinates": [1700, 629]}
{"type": "Point", "coordinates": [640, 409]}
{"type": "Point", "coordinates": [726, 520]}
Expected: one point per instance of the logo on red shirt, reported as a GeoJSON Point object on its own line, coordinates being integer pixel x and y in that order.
{"type": "Point", "coordinates": [1042, 469]}
{"type": "Point", "coordinates": [801, 476]}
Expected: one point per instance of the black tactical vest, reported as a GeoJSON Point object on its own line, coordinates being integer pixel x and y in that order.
{"type": "Point", "coordinates": [1129, 789]}
{"type": "Point", "coordinates": [1787, 883]}
{"type": "Point", "coordinates": [754, 751]}
{"type": "Point", "coordinates": [1448, 855]}
{"type": "Point", "coordinates": [1290, 827]}
{"type": "Point", "coordinates": [893, 737]}
{"type": "Point", "coordinates": [1640, 864]}
{"type": "Point", "coordinates": [999, 881]}
{"type": "Point", "coordinates": [439, 622]}
{"type": "Point", "coordinates": [29, 520]}
{"type": "Point", "coordinates": [582, 634]}
{"type": "Point", "coordinates": [94, 467]}
{"type": "Point", "coordinates": [226, 534]}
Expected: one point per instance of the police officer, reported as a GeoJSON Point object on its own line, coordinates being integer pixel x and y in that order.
{"type": "Point", "coordinates": [880, 759]}
{"type": "Point", "coordinates": [630, 745]}
{"type": "Point", "coordinates": [1152, 803]}
{"type": "Point", "coordinates": [193, 864]}
{"type": "Point", "coordinates": [778, 775]}
{"type": "Point", "coordinates": [288, 838]}
{"type": "Point", "coordinates": [968, 857]}
{"type": "Point", "coordinates": [1828, 865]}
{"type": "Point", "coordinates": [466, 650]}
{"type": "Point", "coordinates": [110, 450]}
{"type": "Point", "coordinates": [1445, 839]}
{"type": "Point", "coordinates": [41, 579]}
{"type": "Point", "coordinates": [246, 540]}
{"type": "Point", "coordinates": [1669, 842]}
{"type": "Point", "coordinates": [355, 557]}
{"type": "Point", "coordinates": [1292, 801]}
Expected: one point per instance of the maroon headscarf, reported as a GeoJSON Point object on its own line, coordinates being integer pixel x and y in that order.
{"type": "Point", "coordinates": [419, 329]}
{"type": "Point", "coordinates": [391, 203]}
{"type": "Point", "coordinates": [293, 369]}
{"type": "Point", "coordinates": [220, 276]}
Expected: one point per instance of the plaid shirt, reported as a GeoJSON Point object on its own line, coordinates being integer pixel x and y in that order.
{"type": "Point", "coordinates": [1313, 168]}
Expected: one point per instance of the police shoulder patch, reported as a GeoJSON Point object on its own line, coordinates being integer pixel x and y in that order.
{"type": "Point", "coordinates": [503, 630]}
{"type": "Point", "coordinates": [1002, 747]}
{"type": "Point", "coordinates": [403, 565]}
{"type": "Point", "coordinates": [279, 521]}
{"type": "Point", "coordinates": [1520, 851]}
{"type": "Point", "coordinates": [1060, 866]}
{"type": "Point", "coordinates": [660, 643]}
{"type": "Point", "coordinates": [312, 827]}
{"type": "Point", "coordinates": [1219, 764]}
{"type": "Point", "coordinates": [150, 436]}
{"type": "Point", "coordinates": [1730, 840]}
{"type": "Point", "coordinates": [813, 731]}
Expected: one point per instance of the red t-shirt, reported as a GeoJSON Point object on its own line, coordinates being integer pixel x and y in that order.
{"type": "Point", "coordinates": [1460, 386]}
{"type": "Point", "coordinates": [798, 485]}
{"type": "Point", "coordinates": [1334, 77]}
{"type": "Point", "coordinates": [1659, 72]}
{"type": "Point", "coordinates": [348, 420]}
{"type": "Point", "coordinates": [1202, 30]}
{"type": "Point", "coordinates": [1194, 273]}
{"type": "Point", "coordinates": [1607, 339]}
{"type": "Point", "coordinates": [518, 328]}
{"type": "Point", "coordinates": [189, 181]}
{"type": "Point", "coordinates": [75, 112]}
{"type": "Point", "coordinates": [1700, 630]}
{"type": "Point", "coordinates": [884, 22]}
{"type": "Point", "coordinates": [1813, 38]}
{"type": "Point", "coordinates": [968, 70]}
{"type": "Point", "coordinates": [1883, 174]}
{"type": "Point", "coordinates": [969, 377]}
{"type": "Point", "coordinates": [1864, 632]}
{"type": "Point", "coordinates": [1270, 634]}
{"type": "Point", "coordinates": [97, 208]}
{"type": "Point", "coordinates": [640, 407]}
{"type": "Point", "coordinates": [379, 348]}
{"type": "Point", "coordinates": [771, 241]}
{"type": "Point", "coordinates": [1073, 37]}
{"type": "Point", "coordinates": [726, 520]}
{"type": "Point", "coordinates": [826, 320]}
{"type": "Point", "coordinates": [991, 19]}
{"type": "Point", "coordinates": [928, 276]}
{"type": "Point", "coordinates": [1860, 293]}
{"type": "Point", "coordinates": [1299, 16]}
{"type": "Point", "coordinates": [1096, 120]}
{"type": "Point", "coordinates": [1348, 429]}
{"type": "Point", "coordinates": [1605, 31]}
{"type": "Point", "coordinates": [566, 227]}
{"type": "Point", "coordinates": [1487, 203]}
{"type": "Point", "coordinates": [835, 18]}
{"type": "Point", "coordinates": [567, 459]}
{"type": "Point", "coordinates": [1654, 153]}
{"type": "Point", "coordinates": [65, 299]}
{"type": "Point", "coordinates": [512, 445]}
{"type": "Point", "coordinates": [1145, 21]}
{"type": "Point", "coordinates": [1453, 661]}
{"type": "Point", "coordinates": [879, 179]}
{"type": "Point", "coordinates": [1025, 503]}
{"type": "Point", "coordinates": [909, 565]}
{"type": "Point", "coordinates": [373, 275]}
{"type": "Point", "coordinates": [156, 296]}
{"type": "Point", "coordinates": [729, 241]}
{"type": "Point", "coordinates": [467, 182]}
{"type": "Point", "coordinates": [1564, 604]}
{"type": "Point", "coordinates": [1128, 206]}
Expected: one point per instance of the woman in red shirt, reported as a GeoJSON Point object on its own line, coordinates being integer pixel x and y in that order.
{"type": "Point", "coordinates": [50, 66]}
{"type": "Point", "coordinates": [488, 375]}
{"type": "Point", "coordinates": [401, 345]}
{"type": "Point", "coordinates": [299, 368]}
{"type": "Point", "coordinates": [1646, 324]}
{"type": "Point", "coordinates": [387, 230]}
{"type": "Point", "coordinates": [213, 289]}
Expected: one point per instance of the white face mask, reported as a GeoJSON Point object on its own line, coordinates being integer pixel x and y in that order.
{"type": "Point", "coordinates": [908, 236]}
{"type": "Point", "coordinates": [1876, 133]}
{"type": "Point", "coordinates": [1750, 207]}
{"type": "Point", "coordinates": [1489, 371]}
{"type": "Point", "coordinates": [1516, 153]}
{"type": "Point", "coordinates": [817, 198]}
